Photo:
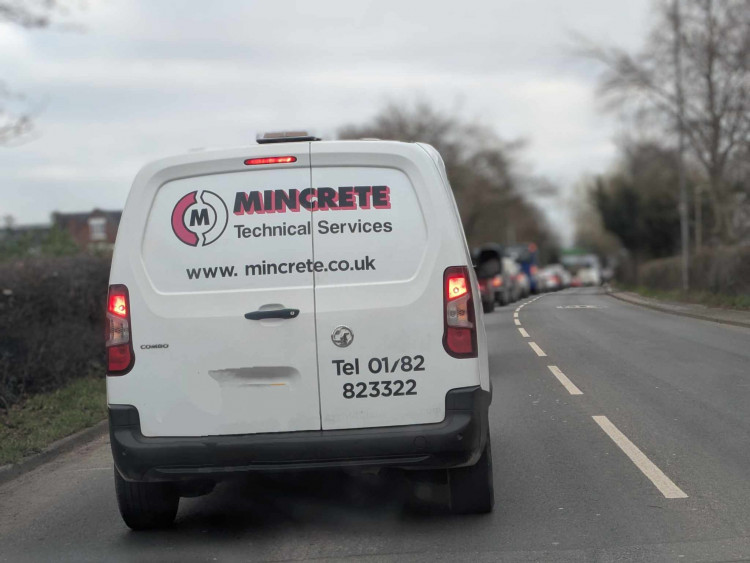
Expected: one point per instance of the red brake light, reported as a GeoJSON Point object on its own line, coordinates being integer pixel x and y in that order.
{"type": "Point", "coordinates": [497, 281]}
{"type": "Point", "coordinates": [271, 160]}
{"type": "Point", "coordinates": [120, 356]}
{"type": "Point", "coordinates": [460, 336]}
{"type": "Point", "coordinates": [118, 305]}
{"type": "Point", "coordinates": [456, 287]}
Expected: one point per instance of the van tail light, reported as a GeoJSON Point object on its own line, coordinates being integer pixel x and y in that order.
{"type": "Point", "coordinates": [497, 281]}
{"type": "Point", "coordinates": [460, 333]}
{"type": "Point", "coordinates": [120, 356]}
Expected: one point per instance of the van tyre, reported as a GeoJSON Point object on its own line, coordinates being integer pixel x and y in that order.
{"type": "Point", "coordinates": [146, 506]}
{"type": "Point", "coordinates": [471, 488]}
{"type": "Point", "coordinates": [488, 306]}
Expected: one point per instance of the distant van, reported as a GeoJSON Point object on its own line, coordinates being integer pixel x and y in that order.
{"type": "Point", "coordinates": [297, 304]}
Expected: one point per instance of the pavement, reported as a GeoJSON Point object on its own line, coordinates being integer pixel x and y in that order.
{"type": "Point", "coordinates": [619, 433]}
{"type": "Point", "coordinates": [737, 317]}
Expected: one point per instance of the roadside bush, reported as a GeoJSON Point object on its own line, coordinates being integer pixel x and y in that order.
{"type": "Point", "coordinates": [51, 323]}
{"type": "Point", "coordinates": [723, 270]}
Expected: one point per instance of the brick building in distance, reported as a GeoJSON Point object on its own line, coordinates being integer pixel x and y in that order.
{"type": "Point", "coordinates": [95, 230]}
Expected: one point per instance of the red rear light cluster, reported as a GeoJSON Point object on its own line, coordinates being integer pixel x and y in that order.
{"type": "Point", "coordinates": [271, 160]}
{"type": "Point", "coordinates": [460, 335]}
{"type": "Point", "coordinates": [497, 281]}
{"type": "Point", "coordinates": [120, 356]}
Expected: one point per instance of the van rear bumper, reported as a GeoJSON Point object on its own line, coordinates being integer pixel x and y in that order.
{"type": "Point", "coordinates": [457, 440]}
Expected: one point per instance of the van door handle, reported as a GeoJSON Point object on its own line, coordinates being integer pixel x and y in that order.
{"type": "Point", "coordinates": [272, 314]}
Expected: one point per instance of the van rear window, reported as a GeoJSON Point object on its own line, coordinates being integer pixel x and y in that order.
{"type": "Point", "coordinates": [277, 229]}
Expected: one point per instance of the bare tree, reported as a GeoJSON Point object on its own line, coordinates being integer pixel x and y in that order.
{"type": "Point", "coordinates": [29, 14]}
{"type": "Point", "coordinates": [480, 165]}
{"type": "Point", "coordinates": [714, 44]}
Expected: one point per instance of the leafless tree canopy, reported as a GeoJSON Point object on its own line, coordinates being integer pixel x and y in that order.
{"type": "Point", "coordinates": [29, 14]}
{"type": "Point", "coordinates": [481, 168]}
{"type": "Point", "coordinates": [12, 125]}
{"type": "Point", "coordinates": [35, 13]}
{"type": "Point", "coordinates": [714, 42]}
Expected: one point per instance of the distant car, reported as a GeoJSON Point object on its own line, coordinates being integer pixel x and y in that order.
{"type": "Point", "coordinates": [510, 290]}
{"type": "Point", "coordinates": [586, 267]}
{"type": "Point", "coordinates": [526, 255]}
{"type": "Point", "coordinates": [590, 276]}
{"type": "Point", "coordinates": [487, 294]}
{"type": "Point", "coordinates": [548, 280]}
{"type": "Point", "coordinates": [495, 272]}
{"type": "Point", "coordinates": [524, 285]}
{"type": "Point", "coordinates": [554, 277]}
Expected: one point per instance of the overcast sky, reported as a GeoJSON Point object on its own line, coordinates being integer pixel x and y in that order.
{"type": "Point", "coordinates": [148, 79]}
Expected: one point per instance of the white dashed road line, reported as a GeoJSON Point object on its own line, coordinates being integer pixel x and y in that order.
{"type": "Point", "coordinates": [523, 332]}
{"type": "Point", "coordinates": [518, 323]}
{"type": "Point", "coordinates": [515, 315]}
{"type": "Point", "coordinates": [537, 349]}
{"type": "Point", "coordinates": [647, 467]}
{"type": "Point", "coordinates": [567, 383]}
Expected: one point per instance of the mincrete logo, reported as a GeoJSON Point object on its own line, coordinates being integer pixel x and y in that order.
{"type": "Point", "coordinates": [199, 220]}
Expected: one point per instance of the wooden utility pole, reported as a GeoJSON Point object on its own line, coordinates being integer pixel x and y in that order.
{"type": "Point", "coordinates": [683, 205]}
{"type": "Point", "coordinates": [698, 196]}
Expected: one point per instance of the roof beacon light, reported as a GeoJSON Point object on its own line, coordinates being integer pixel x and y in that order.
{"type": "Point", "coordinates": [285, 137]}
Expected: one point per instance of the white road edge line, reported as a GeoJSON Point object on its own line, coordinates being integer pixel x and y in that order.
{"type": "Point", "coordinates": [537, 349]}
{"type": "Point", "coordinates": [567, 383]}
{"type": "Point", "coordinates": [647, 467]}
{"type": "Point", "coordinates": [518, 323]}
{"type": "Point", "coordinates": [523, 332]}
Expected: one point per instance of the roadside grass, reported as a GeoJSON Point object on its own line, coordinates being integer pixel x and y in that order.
{"type": "Point", "coordinates": [699, 297]}
{"type": "Point", "coordinates": [34, 424]}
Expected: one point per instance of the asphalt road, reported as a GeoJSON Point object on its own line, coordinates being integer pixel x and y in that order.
{"type": "Point", "coordinates": [661, 473]}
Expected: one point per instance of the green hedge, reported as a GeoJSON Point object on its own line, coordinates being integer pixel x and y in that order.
{"type": "Point", "coordinates": [51, 323]}
{"type": "Point", "coordinates": [722, 270]}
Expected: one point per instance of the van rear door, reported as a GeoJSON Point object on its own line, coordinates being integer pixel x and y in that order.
{"type": "Point", "coordinates": [384, 232]}
{"type": "Point", "coordinates": [223, 318]}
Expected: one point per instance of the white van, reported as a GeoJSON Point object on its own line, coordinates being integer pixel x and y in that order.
{"type": "Point", "coordinates": [294, 305]}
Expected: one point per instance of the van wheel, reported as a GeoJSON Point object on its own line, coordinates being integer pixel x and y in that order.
{"type": "Point", "coordinates": [145, 506]}
{"type": "Point", "coordinates": [471, 488]}
{"type": "Point", "coordinates": [488, 306]}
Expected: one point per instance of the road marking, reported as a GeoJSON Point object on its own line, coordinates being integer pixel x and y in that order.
{"type": "Point", "coordinates": [515, 315]}
{"type": "Point", "coordinates": [647, 467]}
{"type": "Point", "coordinates": [567, 383]}
{"type": "Point", "coordinates": [537, 349]}
{"type": "Point", "coordinates": [523, 332]}
{"type": "Point", "coordinates": [518, 323]}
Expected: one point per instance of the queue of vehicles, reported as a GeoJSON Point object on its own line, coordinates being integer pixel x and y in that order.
{"type": "Point", "coordinates": [507, 273]}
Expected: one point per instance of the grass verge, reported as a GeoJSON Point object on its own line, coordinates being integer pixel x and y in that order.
{"type": "Point", "coordinates": [699, 297]}
{"type": "Point", "coordinates": [33, 425]}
